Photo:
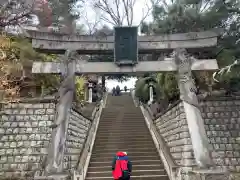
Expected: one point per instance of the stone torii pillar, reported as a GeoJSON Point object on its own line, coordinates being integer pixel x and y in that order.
{"type": "Point", "coordinates": [54, 163]}
{"type": "Point", "coordinates": [191, 107]}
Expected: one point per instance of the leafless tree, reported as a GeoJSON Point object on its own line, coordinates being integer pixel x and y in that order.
{"type": "Point", "coordinates": [120, 12]}
{"type": "Point", "coordinates": [91, 25]}
{"type": "Point", "coordinates": [13, 12]}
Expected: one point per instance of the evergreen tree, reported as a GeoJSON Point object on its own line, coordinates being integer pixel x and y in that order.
{"type": "Point", "coordinates": [181, 16]}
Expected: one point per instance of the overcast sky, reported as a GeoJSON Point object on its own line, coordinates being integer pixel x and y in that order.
{"type": "Point", "coordinates": [140, 10]}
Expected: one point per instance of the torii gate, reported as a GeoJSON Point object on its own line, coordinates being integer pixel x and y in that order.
{"type": "Point", "coordinates": [126, 46]}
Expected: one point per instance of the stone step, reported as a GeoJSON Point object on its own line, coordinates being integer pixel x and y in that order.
{"type": "Point", "coordinates": [124, 136]}
{"type": "Point", "coordinates": [137, 122]}
{"type": "Point", "coordinates": [142, 177]}
{"type": "Point", "coordinates": [132, 158]}
{"type": "Point", "coordinates": [124, 144]}
{"type": "Point", "coordinates": [141, 123]}
{"type": "Point", "coordinates": [134, 162]}
{"type": "Point", "coordinates": [122, 128]}
{"type": "Point", "coordinates": [116, 129]}
{"type": "Point", "coordinates": [119, 132]}
{"type": "Point", "coordinates": [134, 172]}
{"type": "Point", "coordinates": [139, 153]}
{"type": "Point", "coordinates": [114, 139]}
{"type": "Point", "coordinates": [127, 119]}
{"type": "Point", "coordinates": [136, 167]}
{"type": "Point", "coordinates": [127, 149]}
{"type": "Point", "coordinates": [123, 124]}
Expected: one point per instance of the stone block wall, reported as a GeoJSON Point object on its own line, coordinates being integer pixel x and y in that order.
{"type": "Point", "coordinates": [222, 124]}
{"type": "Point", "coordinates": [173, 127]}
{"type": "Point", "coordinates": [77, 133]}
{"type": "Point", "coordinates": [25, 134]}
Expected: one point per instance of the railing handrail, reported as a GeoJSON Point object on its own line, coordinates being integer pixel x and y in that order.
{"type": "Point", "coordinates": [88, 131]}
{"type": "Point", "coordinates": [79, 112]}
{"type": "Point", "coordinates": [163, 145]}
{"type": "Point", "coordinates": [82, 160]}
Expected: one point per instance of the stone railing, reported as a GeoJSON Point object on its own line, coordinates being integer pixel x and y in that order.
{"type": "Point", "coordinates": [81, 170]}
{"type": "Point", "coordinates": [164, 152]}
{"type": "Point", "coordinates": [159, 142]}
{"type": "Point", "coordinates": [78, 128]}
{"type": "Point", "coordinates": [221, 119]}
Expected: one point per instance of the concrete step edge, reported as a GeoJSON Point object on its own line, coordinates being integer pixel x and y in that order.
{"type": "Point", "coordinates": [125, 136]}
{"type": "Point", "coordinates": [106, 144]}
{"type": "Point", "coordinates": [148, 170]}
{"type": "Point", "coordinates": [132, 153]}
{"type": "Point", "coordinates": [130, 133]}
{"type": "Point", "coordinates": [97, 151]}
{"type": "Point", "coordinates": [134, 161]}
{"type": "Point", "coordinates": [140, 165]}
{"type": "Point", "coordinates": [131, 156]}
{"type": "Point", "coordinates": [125, 140]}
{"type": "Point", "coordinates": [141, 176]}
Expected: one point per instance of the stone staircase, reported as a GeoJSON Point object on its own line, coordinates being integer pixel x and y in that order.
{"type": "Point", "coordinates": [122, 128]}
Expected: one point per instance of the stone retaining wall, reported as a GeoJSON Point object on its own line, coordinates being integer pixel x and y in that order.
{"type": "Point", "coordinates": [25, 135]}
{"type": "Point", "coordinates": [222, 124]}
{"type": "Point", "coordinates": [172, 125]}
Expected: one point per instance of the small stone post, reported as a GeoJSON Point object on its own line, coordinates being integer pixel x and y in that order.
{"type": "Point", "coordinates": [150, 94]}
{"type": "Point", "coordinates": [90, 87]}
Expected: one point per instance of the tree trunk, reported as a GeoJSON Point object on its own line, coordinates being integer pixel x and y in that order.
{"type": "Point", "coordinates": [103, 81]}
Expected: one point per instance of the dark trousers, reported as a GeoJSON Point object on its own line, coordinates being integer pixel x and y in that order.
{"type": "Point", "coordinates": [125, 178]}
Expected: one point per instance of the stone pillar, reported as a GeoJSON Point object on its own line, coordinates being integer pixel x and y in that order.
{"type": "Point", "coordinates": [150, 94]}
{"type": "Point", "coordinates": [191, 107]}
{"type": "Point", "coordinates": [86, 92]}
{"type": "Point", "coordinates": [55, 157]}
{"type": "Point", "coordinates": [90, 86]}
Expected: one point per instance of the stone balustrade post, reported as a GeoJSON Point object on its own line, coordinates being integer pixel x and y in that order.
{"type": "Point", "coordinates": [150, 94]}
{"type": "Point", "coordinates": [90, 92]}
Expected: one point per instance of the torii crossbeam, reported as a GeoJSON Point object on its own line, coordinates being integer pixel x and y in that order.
{"type": "Point", "coordinates": [85, 67]}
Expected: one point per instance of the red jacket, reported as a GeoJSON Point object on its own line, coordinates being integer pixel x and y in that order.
{"type": "Point", "coordinates": [121, 164]}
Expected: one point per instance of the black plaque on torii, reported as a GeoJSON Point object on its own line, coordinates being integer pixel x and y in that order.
{"type": "Point", "coordinates": [126, 45]}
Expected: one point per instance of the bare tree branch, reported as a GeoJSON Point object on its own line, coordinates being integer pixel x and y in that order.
{"type": "Point", "coordinates": [149, 9]}
{"type": "Point", "coordinates": [91, 26]}
{"type": "Point", "coordinates": [120, 12]}
{"type": "Point", "coordinates": [14, 12]}
{"type": "Point", "coordinates": [225, 70]}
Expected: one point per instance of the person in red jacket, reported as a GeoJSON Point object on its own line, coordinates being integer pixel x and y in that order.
{"type": "Point", "coordinates": [121, 166]}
